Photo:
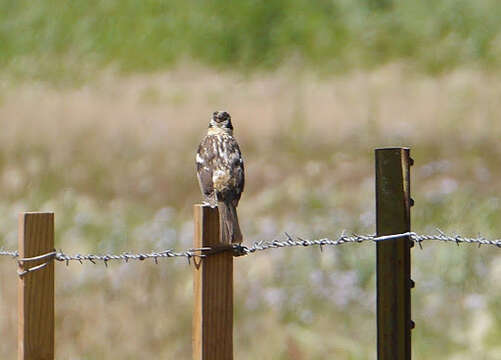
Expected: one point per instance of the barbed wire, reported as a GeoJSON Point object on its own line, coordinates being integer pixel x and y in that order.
{"type": "Point", "coordinates": [458, 239]}
{"type": "Point", "coordinates": [241, 250]}
{"type": "Point", "coordinates": [298, 241]}
{"type": "Point", "coordinates": [10, 253]}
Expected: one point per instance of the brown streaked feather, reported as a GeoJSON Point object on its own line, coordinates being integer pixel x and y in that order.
{"type": "Point", "coordinates": [221, 153]}
{"type": "Point", "coordinates": [220, 172]}
{"type": "Point", "coordinates": [204, 170]}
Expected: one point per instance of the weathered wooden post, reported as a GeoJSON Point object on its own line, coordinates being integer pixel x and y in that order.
{"type": "Point", "coordinates": [36, 288]}
{"type": "Point", "coordinates": [213, 291]}
{"type": "Point", "coordinates": [394, 283]}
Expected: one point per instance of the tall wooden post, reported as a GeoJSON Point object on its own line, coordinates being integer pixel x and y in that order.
{"type": "Point", "coordinates": [393, 203]}
{"type": "Point", "coordinates": [213, 291]}
{"type": "Point", "coordinates": [36, 289]}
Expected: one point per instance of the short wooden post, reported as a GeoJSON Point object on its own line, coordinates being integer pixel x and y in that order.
{"type": "Point", "coordinates": [36, 288]}
{"type": "Point", "coordinates": [393, 203]}
{"type": "Point", "coordinates": [213, 291]}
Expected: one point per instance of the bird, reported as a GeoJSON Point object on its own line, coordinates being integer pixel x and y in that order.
{"type": "Point", "coordinates": [220, 173]}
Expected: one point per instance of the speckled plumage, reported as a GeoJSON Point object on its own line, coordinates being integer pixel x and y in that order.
{"type": "Point", "coordinates": [220, 172]}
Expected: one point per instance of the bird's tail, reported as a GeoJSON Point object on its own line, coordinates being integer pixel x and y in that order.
{"type": "Point", "coordinates": [228, 223]}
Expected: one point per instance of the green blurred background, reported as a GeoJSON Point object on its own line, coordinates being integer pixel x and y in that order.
{"type": "Point", "coordinates": [48, 39]}
{"type": "Point", "coordinates": [103, 103]}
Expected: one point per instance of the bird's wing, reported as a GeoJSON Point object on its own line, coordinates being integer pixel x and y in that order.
{"type": "Point", "coordinates": [204, 158]}
{"type": "Point", "coordinates": [237, 170]}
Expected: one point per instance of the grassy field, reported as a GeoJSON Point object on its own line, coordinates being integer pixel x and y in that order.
{"type": "Point", "coordinates": [63, 41]}
{"type": "Point", "coordinates": [103, 103]}
{"type": "Point", "coordinates": [115, 160]}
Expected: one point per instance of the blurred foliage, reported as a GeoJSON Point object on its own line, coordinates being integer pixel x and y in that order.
{"type": "Point", "coordinates": [115, 161]}
{"type": "Point", "coordinates": [50, 39]}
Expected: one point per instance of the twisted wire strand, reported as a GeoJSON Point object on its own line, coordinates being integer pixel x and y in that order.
{"type": "Point", "coordinates": [11, 253]}
{"type": "Point", "coordinates": [298, 241]}
{"type": "Point", "coordinates": [240, 250]}
{"type": "Point", "coordinates": [458, 239]}
{"type": "Point", "coordinates": [126, 256]}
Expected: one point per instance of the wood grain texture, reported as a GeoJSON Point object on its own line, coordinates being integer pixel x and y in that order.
{"type": "Point", "coordinates": [213, 291]}
{"type": "Point", "coordinates": [36, 289]}
{"type": "Point", "coordinates": [393, 256]}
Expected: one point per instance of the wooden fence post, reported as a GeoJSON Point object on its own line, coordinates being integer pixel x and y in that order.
{"type": "Point", "coordinates": [213, 291]}
{"type": "Point", "coordinates": [393, 203]}
{"type": "Point", "coordinates": [36, 289]}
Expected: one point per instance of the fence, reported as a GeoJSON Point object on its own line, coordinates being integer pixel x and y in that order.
{"type": "Point", "coordinates": [212, 264]}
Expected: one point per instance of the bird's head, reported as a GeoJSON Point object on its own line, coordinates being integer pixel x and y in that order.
{"type": "Point", "coordinates": [221, 120]}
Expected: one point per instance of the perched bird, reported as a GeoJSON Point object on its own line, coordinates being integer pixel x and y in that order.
{"type": "Point", "coordinates": [220, 172]}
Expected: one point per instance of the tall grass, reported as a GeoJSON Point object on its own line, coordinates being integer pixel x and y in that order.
{"type": "Point", "coordinates": [54, 39]}
{"type": "Point", "coordinates": [115, 161]}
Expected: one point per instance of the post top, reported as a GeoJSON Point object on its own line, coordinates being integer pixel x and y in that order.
{"type": "Point", "coordinates": [36, 213]}
{"type": "Point", "coordinates": [207, 206]}
{"type": "Point", "coordinates": [393, 148]}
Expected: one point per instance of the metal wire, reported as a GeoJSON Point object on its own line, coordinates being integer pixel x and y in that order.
{"type": "Point", "coordinates": [241, 250]}
{"type": "Point", "coordinates": [126, 256]}
{"type": "Point", "coordinates": [21, 273]}
{"type": "Point", "coordinates": [10, 253]}
{"type": "Point", "coordinates": [39, 257]}
{"type": "Point", "coordinates": [458, 239]}
{"type": "Point", "coordinates": [298, 241]}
